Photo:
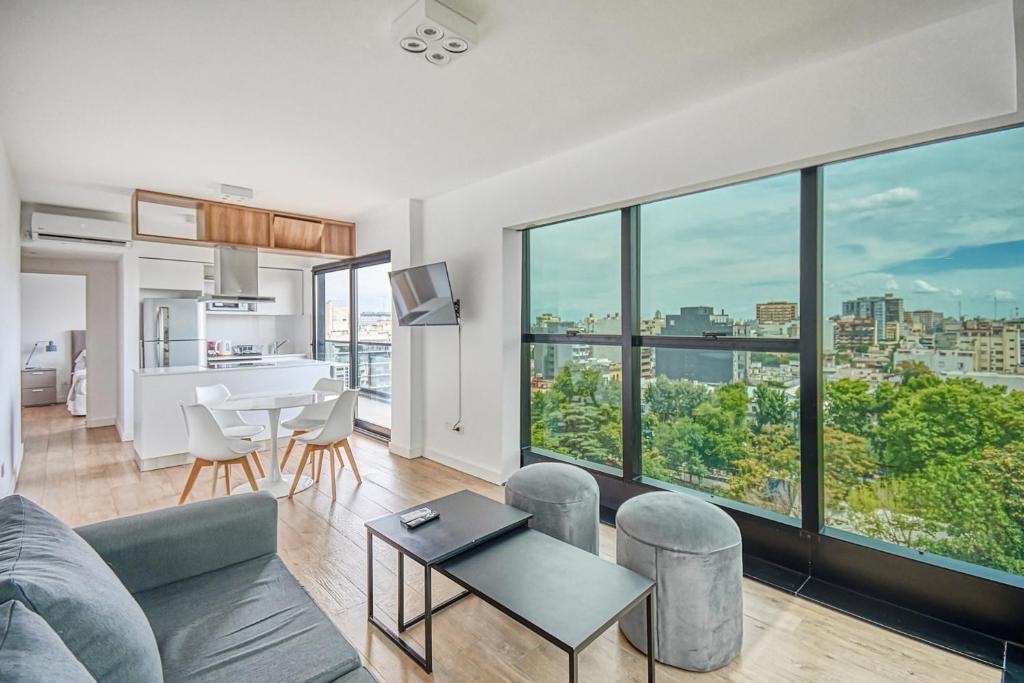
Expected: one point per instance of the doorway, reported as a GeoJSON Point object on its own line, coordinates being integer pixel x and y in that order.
{"type": "Point", "coordinates": [353, 331]}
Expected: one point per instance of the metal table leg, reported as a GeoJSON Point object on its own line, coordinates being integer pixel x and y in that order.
{"type": "Point", "coordinates": [650, 637]}
{"type": "Point", "coordinates": [574, 667]}
{"type": "Point", "coordinates": [425, 660]}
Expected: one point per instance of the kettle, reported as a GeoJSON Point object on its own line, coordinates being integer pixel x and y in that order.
{"type": "Point", "coordinates": [223, 347]}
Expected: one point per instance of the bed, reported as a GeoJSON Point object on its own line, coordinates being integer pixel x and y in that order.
{"type": "Point", "coordinates": [79, 384]}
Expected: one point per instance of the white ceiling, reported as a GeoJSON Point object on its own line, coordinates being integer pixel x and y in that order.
{"type": "Point", "coordinates": [310, 102]}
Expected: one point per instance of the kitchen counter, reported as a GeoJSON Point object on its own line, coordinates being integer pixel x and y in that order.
{"type": "Point", "coordinates": [160, 438]}
{"type": "Point", "coordinates": [267, 363]}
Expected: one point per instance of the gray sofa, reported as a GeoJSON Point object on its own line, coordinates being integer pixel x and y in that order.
{"type": "Point", "coordinates": [193, 593]}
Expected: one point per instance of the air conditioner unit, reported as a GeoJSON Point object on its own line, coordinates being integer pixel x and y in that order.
{"type": "Point", "coordinates": [52, 226]}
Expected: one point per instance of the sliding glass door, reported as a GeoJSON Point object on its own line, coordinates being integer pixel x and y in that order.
{"type": "Point", "coordinates": [353, 332]}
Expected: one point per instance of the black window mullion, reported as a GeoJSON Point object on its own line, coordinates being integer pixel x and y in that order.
{"type": "Point", "coordinates": [525, 393]}
{"type": "Point", "coordinates": [632, 466]}
{"type": "Point", "coordinates": [768, 344]}
{"type": "Point", "coordinates": [811, 411]}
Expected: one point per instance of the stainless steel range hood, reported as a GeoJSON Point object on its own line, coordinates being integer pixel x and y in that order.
{"type": "Point", "coordinates": [236, 275]}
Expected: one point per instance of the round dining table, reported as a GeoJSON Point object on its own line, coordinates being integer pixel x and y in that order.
{"type": "Point", "coordinates": [274, 402]}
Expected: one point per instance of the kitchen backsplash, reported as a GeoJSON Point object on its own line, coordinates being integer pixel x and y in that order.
{"type": "Point", "coordinates": [261, 330]}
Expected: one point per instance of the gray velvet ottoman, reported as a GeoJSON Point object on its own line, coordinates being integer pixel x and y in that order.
{"type": "Point", "coordinates": [693, 551]}
{"type": "Point", "coordinates": [563, 500]}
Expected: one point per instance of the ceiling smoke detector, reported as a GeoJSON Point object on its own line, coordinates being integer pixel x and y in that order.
{"type": "Point", "coordinates": [435, 30]}
{"type": "Point", "coordinates": [235, 193]}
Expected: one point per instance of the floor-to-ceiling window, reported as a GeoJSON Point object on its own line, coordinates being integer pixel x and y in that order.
{"type": "Point", "coordinates": [836, 353]}
{"type": "Point", "coordinates": [922, 329]}
{"type": "Point", "coordinates": [353, 332]}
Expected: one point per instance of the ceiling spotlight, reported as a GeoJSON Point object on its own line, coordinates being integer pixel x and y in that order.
{"type": "Point", "coordinates": [413, 44]}
{"type": "Point", "coordinates": [434, 30]}
{"type": "Point", "coordinates": [455, 44]}
{"type": "Point", "coordinates": [439, 57]}
{"type": "Point", "coordinates": [429, 32]}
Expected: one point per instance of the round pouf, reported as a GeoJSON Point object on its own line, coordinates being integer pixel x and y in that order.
{"type": "Point", "coordinates": [693, 551]}
{"type": "Point", "coordinates": [563, 500]}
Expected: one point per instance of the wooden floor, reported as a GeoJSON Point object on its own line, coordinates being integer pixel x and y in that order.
{"type": "Point", "coordinates": [88, 475]}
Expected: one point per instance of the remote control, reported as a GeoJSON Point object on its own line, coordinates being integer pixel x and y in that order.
{"type": "Point", "coordinates": [421, 520]}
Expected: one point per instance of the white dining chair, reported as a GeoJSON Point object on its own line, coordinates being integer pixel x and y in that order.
{"type": "Point", "coordinates": [210, 447]}
{"type": "Point", "coordinates": [312, 416]}
{"type": "Point", "coordinates": [333, 434]}
{"type": "Point", "coordinates": [230, 421]}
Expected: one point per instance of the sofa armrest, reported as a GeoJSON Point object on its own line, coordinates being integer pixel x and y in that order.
{"type": "Point", "coordinates": [160, 547]}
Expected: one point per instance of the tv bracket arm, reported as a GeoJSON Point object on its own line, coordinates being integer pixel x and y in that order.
{"type": "Point", "coordinates": [457, 304]}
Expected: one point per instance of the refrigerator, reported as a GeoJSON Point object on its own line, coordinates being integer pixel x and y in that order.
{"type": "Point", "coordinates": [173, 333]}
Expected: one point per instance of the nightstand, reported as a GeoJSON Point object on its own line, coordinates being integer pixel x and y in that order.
{"type": "Point", "coordinates": [38, 386]}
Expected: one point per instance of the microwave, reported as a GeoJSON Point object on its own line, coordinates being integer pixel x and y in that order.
{"type": "Point", "coordinates": [232, 306]}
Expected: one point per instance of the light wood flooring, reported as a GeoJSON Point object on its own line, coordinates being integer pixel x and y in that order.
{"type": "Point", "coordinates": [86, 476]}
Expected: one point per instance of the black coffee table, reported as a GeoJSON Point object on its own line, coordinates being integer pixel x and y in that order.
{"type": "Point", "coordinates": [467, 520]}
{"type": "Point", "coordinates": [562, 593]}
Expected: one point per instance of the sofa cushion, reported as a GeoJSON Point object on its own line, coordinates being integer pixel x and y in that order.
{"type": "Point", "coordinates": [52, 571]}
{"type": "Point", "coordinates": [30, 651]}
{"type": "Point", "coordinates": [248, 622]}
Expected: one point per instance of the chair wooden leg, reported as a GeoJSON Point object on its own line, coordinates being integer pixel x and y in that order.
{"type": "Point", "coordinates": [351, 460]}
{"type": "Point", "coordinates": [291, 445]}
{"type": "Point", "coordinates": [258, 463]}
{"type": "Point", "coordinates": [191, 481]}
{"type": "Point", "coordinates": [248, 473]}
{"type": "Point", "coordinates": [213, 485]}
{"type": "Point", "coordinates": [334, 477]}
{"type": "Point", "coordinates": [227, 478]}
{"type": "Point", "coordinates": [298, 471]}
{"type": "Point", "coordinates": [319, 466]}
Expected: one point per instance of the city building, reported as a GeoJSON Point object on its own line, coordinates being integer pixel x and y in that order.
{"type": "Point", "coordinates": [776, 312]}
{"type": "Point", "coordinates": [695, 321]}
{"type": "Point", "coordinates": [856, 331]}
{"type": "Point", "coordinates": [882, 309]}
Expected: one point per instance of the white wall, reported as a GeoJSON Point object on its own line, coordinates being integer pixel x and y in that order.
{"type": "Point", "coordinates": [102, 330]}
{"type": "Point", "coordinates": [399, 228]}
{"type": "Point", "coordinates": [949, 76]}
{"type": "Point", "coordinates": [52, 306]}
{"type": "Point", "coordinates": [10, 333]}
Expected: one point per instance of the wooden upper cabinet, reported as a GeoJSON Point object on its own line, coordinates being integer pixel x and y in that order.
{"type": "Point", "coordinates": [303, 234]}
{"type": "Point", "coordinates": [339, 239]}
{"type": "Point", "coordinates": [235, 225]}
{"type": "Point", "coordinates": [161, 217]}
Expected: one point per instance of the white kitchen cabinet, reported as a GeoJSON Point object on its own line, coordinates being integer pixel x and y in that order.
{"type": "Point", "coordinates": [285, 285]}
{"type": "Point", "coordinates": [158, 273]}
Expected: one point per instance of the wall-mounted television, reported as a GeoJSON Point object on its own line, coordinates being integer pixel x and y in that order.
{"type": "Point", "coordinates": [423, 295]}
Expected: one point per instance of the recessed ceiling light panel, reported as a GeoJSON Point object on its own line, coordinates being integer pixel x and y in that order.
{"type": "Point", "coordinates": [434, 30]}
{"type": "Point", "coordinates": [439, 57]}
{"type": "Point", "coordinates": [429, 32]}
{"type": "Point", "coordinates": [455, 45]}
{"type": "Point", "coordinates": [413, 44]}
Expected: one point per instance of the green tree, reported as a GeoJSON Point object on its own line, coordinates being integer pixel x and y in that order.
{"type": "Point", "coordinates": [666, 399]}
{"type": "Point", "coordinates": [849, 406]}
{"type": "Point", "coordinates": [769, 476]}
{"type": "Point", "coordinates": [771, 407]}
{"type": "Point", "coordinates": [684, 444]}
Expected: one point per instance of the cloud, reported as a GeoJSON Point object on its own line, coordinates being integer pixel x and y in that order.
{"type": "Point", "coordinates": [922, 287]}
{"type": "Point", "coordinates": [1003, 295]}
{"type": "Point", "coordinates": [895, 196]}
{"type": "Point", "coordinates": [955, 291]}
{"type": "Point", "coordinates": [891, 284]}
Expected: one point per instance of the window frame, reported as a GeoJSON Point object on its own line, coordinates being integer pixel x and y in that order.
{"type": "Point", "coordinates": [811, 555]}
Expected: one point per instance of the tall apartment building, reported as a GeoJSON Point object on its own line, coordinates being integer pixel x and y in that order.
{"type": "Point", "coordinates": [882, 309]}
{"type": "Point", "coordinates": [855, 331]}
{"type": "Point", "coordinates": [712, 367]}
{"type": "Point", "coordinates": [997, 345]}
{"type": "Point", "coordinates": [776, 312]}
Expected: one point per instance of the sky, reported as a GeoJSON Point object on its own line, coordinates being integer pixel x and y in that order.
{"type": "Point", "coordinates": [372, 285]}
{"type": "Point", "coordinates": [940, 225]}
